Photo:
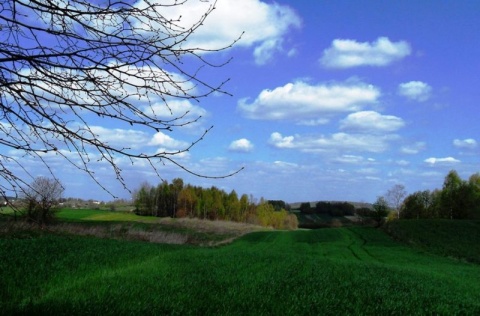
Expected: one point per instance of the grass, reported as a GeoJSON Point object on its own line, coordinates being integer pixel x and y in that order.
{"type": "Point", "coordinates": [99, 215]}
{"type": "Point", "coordinates": [454, 238]}
{"type": "Point", "coordinates": [129, 226]}
{"type": "Point", "coordinates": [344, 271]}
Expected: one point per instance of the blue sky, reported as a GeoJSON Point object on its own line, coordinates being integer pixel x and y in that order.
{"type": "Point", "coordinates": [331, 100]}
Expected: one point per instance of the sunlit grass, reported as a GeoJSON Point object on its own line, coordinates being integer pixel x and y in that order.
{"type": "Point", "coordinates": [100, 215]}
{"type": "Point", "coordinates": [329, 271]}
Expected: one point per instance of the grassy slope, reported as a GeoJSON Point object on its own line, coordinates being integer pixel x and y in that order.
{"type": "Point", "coordinates": [453, 238]}
{"type": "Point", "coordinates": [329, 271]}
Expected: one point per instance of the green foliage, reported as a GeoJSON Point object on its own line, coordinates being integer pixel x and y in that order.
{"type": "Point", "coordinates": [380, 210]}
{"type": "Point", "coordinates": [324, 272]}
{"type": "Point", "coordinates": [335, 208]}
{"type": "Point", "coordinates": [179, 200]}
{"type": "Point", "coordinates": [458, 199]}
{"type": "Point", "coordinates": [305, 207]}
{"type": "Point", "coordinates": [267, 216]}
{"type": "Point", "coordinates": [421, 204]}
{"type": "Point", "coordinates": [279, 205]}
{"type": "Point", "coordinates": [364, 212]}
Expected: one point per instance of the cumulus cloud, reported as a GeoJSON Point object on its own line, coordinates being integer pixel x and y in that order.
{"type": "Point", "coordinates": [415, 90]}
{"type": "Point", "coordinates": [166, 141]}
{"type": "Point", "coordinates": [277, 140]}
{"type": "Point", "coordinates": [334, 142]}
{"type": "Point", "coordinates": [446, 160]}
{"type": "Point", "coordinates": [347, 53]}
{"type": "Point", "coordinates": [414, 148]}
{"type": "Point", "coordinates": [263, 25]}
{"type": "Point", "coordinates": [371, 121]}
{"type": "Point", "coordinates": [241, 145]}
{"type": "Point", "coordinates": [303, 102]}
{"type": "Point", "coordinates": [468, 143]}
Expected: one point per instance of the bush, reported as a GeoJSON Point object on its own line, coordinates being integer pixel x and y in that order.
{"type": "Point", "coordinates": [267, 216]}
{"type": "Point", "coordinates": [290, 222]}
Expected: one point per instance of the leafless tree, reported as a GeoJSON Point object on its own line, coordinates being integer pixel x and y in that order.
{"type": "Point", "coordinates": [395, 197]}
{"type": "Point", "coordinates": [65, 64]}
{"type": "Point", "coordinates": [41, 198]}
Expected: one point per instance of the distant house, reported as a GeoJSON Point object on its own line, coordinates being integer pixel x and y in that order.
{"type": "Point", "coordinates": [9, 200]}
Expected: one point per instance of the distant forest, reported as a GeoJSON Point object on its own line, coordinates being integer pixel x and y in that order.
{"type": "Point", "coordinates": [177, 199]}
{"type": "Point", "coordinates": [330, 208]}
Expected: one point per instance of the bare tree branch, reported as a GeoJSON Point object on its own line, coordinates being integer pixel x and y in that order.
{"type": "Point", "coordinates": [66, 63]}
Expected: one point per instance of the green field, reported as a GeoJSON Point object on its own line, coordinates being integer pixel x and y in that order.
{"type": "Point", "coordinates": [329, 271]}
{"type": "Point", "coordinates": [99, 215]}
{"type": "Point", "coordinates": [457, 238]}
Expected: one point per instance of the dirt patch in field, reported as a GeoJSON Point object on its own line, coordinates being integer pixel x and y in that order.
{"type": "Point", "coordinates": [165, 230]}
{"type": "Point", "coordinates": [207, 226]}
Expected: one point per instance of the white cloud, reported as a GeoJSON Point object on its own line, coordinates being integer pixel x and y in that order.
{"type": "Point", "coordinates": [367, 171]}
{"type": "Point", "coordinates": [413, 149]}
{"type": "Point", "coordinates": [241, 145]}
{"type": "Point", "coordinates": [320, 121]}
{"type": "Point", "coordinates": [264, 25]}
{"type": "Point", "coordinates": [468, 143]}
{"type": "Point", "coordinates": [137, 83]}
{"type": "Point", "coordinates": [337, 141]}
{"type": "Point", "coordinates": [402, 162]}
{"type": "Point", "coordinates": [447, 160]}
{"type": "Point", "coordinates": [183, 110]}
{"type": "Point", "coordinates": [303, 102]}
{"type": "Point", "coordinates": [277, 140]}
{"type": "Point", "coordinates": [415, 90]}
{"type": "Point", "coordinates": [164, 140]}
{"type": "Point", "coordinates": [371, 121]}
{"type": "Point", "coordinates": [284, 165]}
{"type": "Point", "coordinates": [120, 137]}
{"type": "Point", "coordinates": [265, 51]}
{"type": "Point", "coordinates": [354, 159]}
{"type": "Point", "coordinates": [346, 53]}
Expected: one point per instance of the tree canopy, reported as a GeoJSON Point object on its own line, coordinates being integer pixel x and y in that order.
{"type": "Point", "coordinates": [177, 199]}
{"type": "Point", "coordinates": [458, 199]}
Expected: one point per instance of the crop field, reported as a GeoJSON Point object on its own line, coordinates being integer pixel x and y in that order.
{"type": "Point", "coordinates": [458, 238]}
{"type": "Point", "coordinates": [327, 272]}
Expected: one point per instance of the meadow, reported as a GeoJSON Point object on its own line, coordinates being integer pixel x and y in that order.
{"type": "Point", "coordinates": [349, 270]}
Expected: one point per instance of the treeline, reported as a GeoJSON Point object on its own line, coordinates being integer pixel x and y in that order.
{"type": "Point", "coordinates": [332, 208]}
{"type": "Point", "coordinates": [177, 200]}
{"type": "Point", "coordinates": [458, 199]}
